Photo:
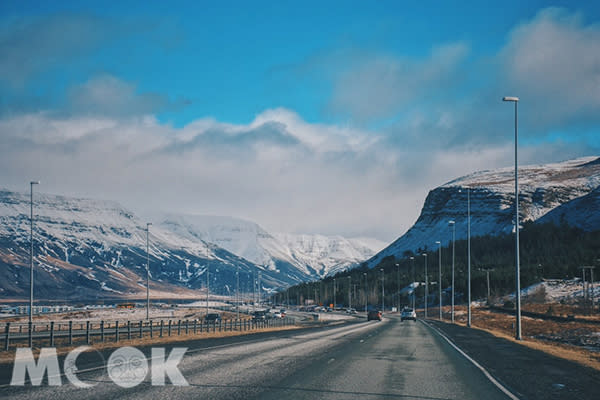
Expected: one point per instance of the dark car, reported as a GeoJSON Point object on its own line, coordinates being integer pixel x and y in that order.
{"type": "Point", "coordinates": [260, 315]}
{"type": "Point", "coordinates": [213, 317]}
{"type": "Point", "coordinates": [374, 315]}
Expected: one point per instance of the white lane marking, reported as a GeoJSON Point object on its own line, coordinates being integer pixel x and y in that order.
{"type": "Point", "coordinates": [334, 333]}
{"type": "Point", "coordinates": [475, 363]}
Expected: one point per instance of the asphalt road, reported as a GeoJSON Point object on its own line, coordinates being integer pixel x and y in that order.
{"type": "Point", "coordinates": [366, 360]}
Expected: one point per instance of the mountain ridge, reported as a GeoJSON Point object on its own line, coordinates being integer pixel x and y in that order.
{"type": "Point", "coordinates": [542, 188]}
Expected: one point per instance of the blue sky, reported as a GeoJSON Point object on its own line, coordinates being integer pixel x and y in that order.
{"type": "Point", "coordinates": [290, 109]}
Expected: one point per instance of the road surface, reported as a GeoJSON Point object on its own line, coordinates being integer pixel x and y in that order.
{"type": "Point", "coordinates": [365, 360]}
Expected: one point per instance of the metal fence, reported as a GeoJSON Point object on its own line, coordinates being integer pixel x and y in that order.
{"type": "Point", "coordinates": [67, 333]}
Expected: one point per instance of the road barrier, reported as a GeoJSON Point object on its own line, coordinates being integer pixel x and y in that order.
{"type": "Point", "coordinates": [65, 333]}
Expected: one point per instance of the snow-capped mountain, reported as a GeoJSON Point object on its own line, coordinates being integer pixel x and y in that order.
{"type": "Point", "coordinates": [300, 256]}
{"type": "Point", "coordinates": [92, 249]}
{"type": "Point", "coordinates": [582, 212]}
{"type": "Point", "coordinates": [542, 189]}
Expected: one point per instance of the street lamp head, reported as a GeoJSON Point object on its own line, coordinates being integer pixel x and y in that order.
{"type": "Point", "coordinates": [412, 258]}
{"type": "Point", "coordinates": [438, 242]}
{"type": "Point", "coordinates": [424, 254]}
{"type": "Point", "coordinates": [34, 182]}
{"type": "Point", "coordinates": [451, 222]}
{"type": "Point", "coordinates": [510, 98]}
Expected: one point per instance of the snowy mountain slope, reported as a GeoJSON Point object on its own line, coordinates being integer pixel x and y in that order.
{"type": "Point", "coordinates": [582, 212]}
{"type": "Point", "coordinates": [94, 248]}
{"type": "Point", "coordinates": [542, 188]}
{"type": "Point", "coordinates": [303, 256]}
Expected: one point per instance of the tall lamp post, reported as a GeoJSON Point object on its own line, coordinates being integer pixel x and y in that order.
{"type": "Point", "coordinates": [366, 290]}
{"type": "Point", "coordinates": [148, 224]}
{"type": "Point", "coordinates": [413, 283]}
{"type": "Point", "coordinates": [382, 291]}
{"type": "Point", "coordinates": [31, 262]}
{"type": "Point", "coordinates": [207, 288]}
{"type": "Point", "coordinates": [469, 256]}
{"type": "Point", "coordinates": [440, 275]}
{"type": "Point", "coordinates": [517, 262]}
{"type": "Point", "coordinates": [426, 285]}
{"type": "Point", "coordinates": [398, 284]}
{"type": "Point", "coordinates": [453, 223]}
{"type": "Point", "coordinates": [334, 294]}
{"type": "Point", "coordinates": [349, 292]}
{"type": "Point", "coordinates": [237, 293]}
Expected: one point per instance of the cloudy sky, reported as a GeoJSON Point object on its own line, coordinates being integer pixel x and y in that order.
{"type": "Point", "coordinates": [313, 117]}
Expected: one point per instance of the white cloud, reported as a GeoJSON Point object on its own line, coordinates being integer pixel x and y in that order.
{"type": "Point", "coordinates": [553, 63]}
{"type": "Point", "coordinates": [318, 179]}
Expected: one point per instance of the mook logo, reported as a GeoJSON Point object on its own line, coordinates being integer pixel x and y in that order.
{"type": "Point", "coordinates": [127, 367]}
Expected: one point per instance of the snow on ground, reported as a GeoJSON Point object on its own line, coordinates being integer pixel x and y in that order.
{"type": "Point", "coordinates": [556, 290]}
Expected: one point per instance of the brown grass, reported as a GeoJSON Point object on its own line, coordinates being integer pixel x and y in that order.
{"type": "Point", "coordinates": [562, 333]}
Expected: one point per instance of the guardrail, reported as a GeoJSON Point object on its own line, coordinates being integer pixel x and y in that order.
{"type": "Point", "coordinates": [66, 333]}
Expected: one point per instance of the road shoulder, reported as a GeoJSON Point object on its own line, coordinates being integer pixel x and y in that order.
{"type": "Point", "coordinates": [526, 372]}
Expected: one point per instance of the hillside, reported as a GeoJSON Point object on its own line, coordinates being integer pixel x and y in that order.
{"type": "Point", "coordinates": [542, 188]}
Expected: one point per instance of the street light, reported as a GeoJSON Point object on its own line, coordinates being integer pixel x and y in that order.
{"type": "Point", "coordinates": [31, 263]}
{"type": "Point", "coordinates": [398, 284]}
{"type": "Point", "coordinates": [426, 284]}
{"type": "Point", "coordinates": [517, 267]}
{"type": "Point", "coordinates": [440, 276]}
{"type": "Point", "coordinates": [453, 223]}
{"type": "Point", "coordinates": [334, 294]}
{"type": "Point", "coordinates": [237, 293]}
{"type": "Point", "coordinates": [413, 282]}
{"type": "Point", "coordinates": [148, 224]}
{"type": "Point", "coordinates": [208, 284]}
{"type": "Point", "coordinates": [349, 292]}
{"type": "Point", "coordinates": [469, 256]}
{"type": "Point", "coordinates": [382, 291]}
{"type": "Point", "coordinates": [366, 290]}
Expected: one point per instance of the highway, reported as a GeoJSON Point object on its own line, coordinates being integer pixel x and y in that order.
{"type": "Point", "coordinates": [364, 360]}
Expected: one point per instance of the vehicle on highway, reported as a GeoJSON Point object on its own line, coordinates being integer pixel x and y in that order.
{"type": "Point", "coordinates": [408, 313]}
{"type": "Point", "coordinates": [277, 315]}
{"type": "Point", "coordinates": [350, 311]}
{"type": "Point", "coordinates": [374, 315]}
{"type": "Point", "coordinates": [260, 315]}
{"type": "Point", "coordinates": [212, 317]}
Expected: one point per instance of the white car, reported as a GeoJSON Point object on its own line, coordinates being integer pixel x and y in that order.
{"type": "Point", "coordinates": [408, 313]}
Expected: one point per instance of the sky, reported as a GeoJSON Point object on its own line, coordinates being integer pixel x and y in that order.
{"type": "Point", "coordinates": [331, 117]}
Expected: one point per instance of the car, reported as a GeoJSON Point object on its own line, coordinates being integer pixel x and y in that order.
{"type": "Point", "coordinates": [259, 315]}
{"type": "Point", "coordinates": [350, 311]}
{"type": "Point", "coordinates": [408, 313]}
{"type": "Point", "coordinates": [212, 317]}
{"type": "Point", "coordinates": [374, 315]}
{"type": "Point", "coordinates": [277, 315]}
